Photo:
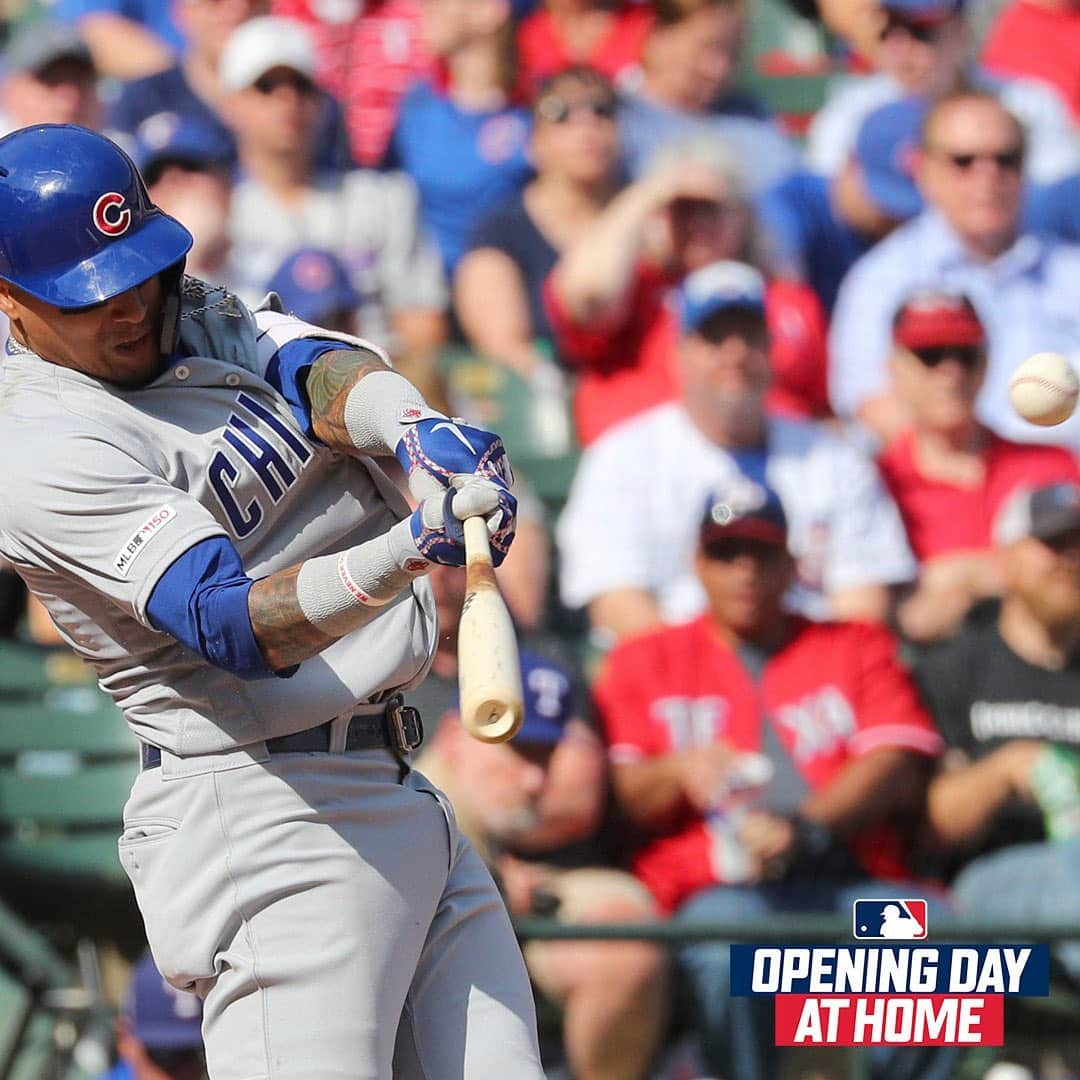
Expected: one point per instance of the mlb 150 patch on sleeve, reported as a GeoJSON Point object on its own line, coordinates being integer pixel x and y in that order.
{"type": "Point", "coordinates": [141, 537]}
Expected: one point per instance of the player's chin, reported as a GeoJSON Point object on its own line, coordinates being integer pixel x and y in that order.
{"type": "Point", "coordinates": [137, 361]}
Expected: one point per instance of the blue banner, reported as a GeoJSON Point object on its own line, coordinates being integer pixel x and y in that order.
{"type": "Point", "coordinates": [908, 968]}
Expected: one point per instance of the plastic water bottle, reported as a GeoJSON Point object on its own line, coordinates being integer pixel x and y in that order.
{"type": "Point", "coordinates": [1055, 781]}
{"type": "Point", "coordinates": [744, 783]}
{"type": "Point", "coordinates": [550, 407]}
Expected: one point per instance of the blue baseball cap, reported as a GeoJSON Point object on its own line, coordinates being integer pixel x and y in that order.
{"type": "Point", "coordinates": [313, 283]}
{"type": "Point", "coordinates": [745, 509]}
{"type": "Point", "coordinates": [548, 701]}
{"type": "Point", "coordinates": [169, 136]}
{"type": "Point", "coordinates": [161, 1016]}
{"type": "Point", "coordinates": [926, 12]}
{"type": "Point", "coordinates": [885, 150]}
{"type": "Point", "coordinates": [718, 287]}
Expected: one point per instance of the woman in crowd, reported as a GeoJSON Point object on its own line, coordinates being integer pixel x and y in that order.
{"type": "Point", "coordinates": [574, 147]}
{"type": "Point", "coordinates": [607, 295]}
{"type": "Point", "coordinates": [462, 135]}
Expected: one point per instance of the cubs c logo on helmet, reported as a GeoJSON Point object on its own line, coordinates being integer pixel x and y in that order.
{"type": "Point", "coordinates": [111, 217]}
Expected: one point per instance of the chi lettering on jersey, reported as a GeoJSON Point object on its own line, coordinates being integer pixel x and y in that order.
{"type": "Point", "coordinates": [264, 458]}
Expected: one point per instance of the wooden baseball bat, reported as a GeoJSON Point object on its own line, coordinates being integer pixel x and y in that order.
{"type": "Point", "coordinates": [489, 671]}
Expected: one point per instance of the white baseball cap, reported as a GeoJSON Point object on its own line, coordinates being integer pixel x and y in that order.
{"type": "Point", "coordinates": [259, 45]}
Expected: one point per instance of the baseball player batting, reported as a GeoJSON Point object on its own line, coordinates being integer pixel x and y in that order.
{"type": "Point", "coordinates": [191, 492]}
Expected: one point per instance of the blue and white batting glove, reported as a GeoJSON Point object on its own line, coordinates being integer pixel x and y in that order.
{"type": "Point", "coordinates": [435, 449]}
{"type": "Point", "coordinates": [436, 525]}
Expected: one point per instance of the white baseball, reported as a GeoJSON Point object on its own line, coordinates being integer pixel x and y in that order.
{"type": "Point", "coordinates": [1044, 389]}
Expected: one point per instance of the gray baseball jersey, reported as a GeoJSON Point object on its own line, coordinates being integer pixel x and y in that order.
{"type": "Point", "coordinates": [106, 487]}
{"type": "Point", "coordinates": [323, 904]}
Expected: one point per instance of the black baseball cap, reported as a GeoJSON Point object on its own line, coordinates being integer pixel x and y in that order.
{"type": "Point", "coordinates": [749, 511]}
{"type": "Point", "coordinates": [1043, 513]}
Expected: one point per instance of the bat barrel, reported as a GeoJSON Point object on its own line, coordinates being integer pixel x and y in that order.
{"type": "Point", "coordinates": [489, 671]}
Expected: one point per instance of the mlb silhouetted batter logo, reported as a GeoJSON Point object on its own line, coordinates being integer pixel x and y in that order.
{"type": "Point", "coordinates": [889, 920]}
{"type": "Point", "coordinates": [111, 217]}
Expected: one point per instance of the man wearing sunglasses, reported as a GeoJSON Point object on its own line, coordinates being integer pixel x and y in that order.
{"type": "Point", "coordinates": [628, 532]}
{"type": "Point", "coordinates": [948, 473]}
{"type": "Point", "coordinates": [159, 1035]}
{"type": "Point", "coordinates": [923, 51]}
{"type": "Point", "coordinates": [969, 240]}
{"type": "Point", "coordinates": [189, 89]}
{"type": "Point", "coordinates": [284, 201]}
{"type": "Point", "coordinates": [689, 713]}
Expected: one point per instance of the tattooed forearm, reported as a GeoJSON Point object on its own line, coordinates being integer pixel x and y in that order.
{"type": "Point", "coordinates": [331, 378]}
{"type": "Point", "coordinates": [281, 629]}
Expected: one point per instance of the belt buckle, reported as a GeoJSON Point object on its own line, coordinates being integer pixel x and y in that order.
{"type": "Point", "coordinates": [406, 726]}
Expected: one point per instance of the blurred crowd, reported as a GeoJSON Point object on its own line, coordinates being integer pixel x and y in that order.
{"type": "Point", "coordinates": [799, 592]}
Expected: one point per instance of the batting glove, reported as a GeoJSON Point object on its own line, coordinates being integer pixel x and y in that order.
{"type": "Point", "coordinates": [436, 524]}
{"type": "Point", "coordinates": [436, 449]}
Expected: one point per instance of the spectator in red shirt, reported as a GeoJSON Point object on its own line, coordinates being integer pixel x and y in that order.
{"type": "Point", "coordinates": [608, 35]}
{"type": "Point", "coordinates": [772, 762]}
{"type": "Point", "coordinates": [606, 297]}
{"type": "Point", "coordinates": [1039, 38]}
{"type": "Point", "coordinates": [948, 473]}
{"type": "Point", "coordinates": [370, 53]}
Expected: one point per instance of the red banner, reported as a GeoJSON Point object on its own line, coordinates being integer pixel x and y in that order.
{"type": "Point", "coordinates": [890, 1020]}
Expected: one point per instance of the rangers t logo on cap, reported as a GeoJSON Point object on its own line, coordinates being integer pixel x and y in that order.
{"type": "Point", "coordinates": [106, 219]}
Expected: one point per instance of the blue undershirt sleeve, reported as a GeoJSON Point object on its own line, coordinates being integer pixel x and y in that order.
{"type": "Point", "coordinates": [202, 601]}
{"type": "Point", "coordinates": [288, 370]}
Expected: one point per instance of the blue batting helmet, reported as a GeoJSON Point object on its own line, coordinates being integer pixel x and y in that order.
{"type": "Point", "coordinates": [78, 226]}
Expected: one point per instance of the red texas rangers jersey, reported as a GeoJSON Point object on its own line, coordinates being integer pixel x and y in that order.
{"type": "Point", "coordinates": [835, 691]}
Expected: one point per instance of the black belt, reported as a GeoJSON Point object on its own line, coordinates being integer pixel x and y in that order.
{"type": "Point", "coordinates": [398, 728]}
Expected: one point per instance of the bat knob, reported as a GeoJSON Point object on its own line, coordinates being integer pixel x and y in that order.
{"type": "Point", "coordinates": [495, 721]}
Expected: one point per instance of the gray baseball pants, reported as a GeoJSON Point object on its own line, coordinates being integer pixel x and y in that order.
{"type": "Point", "coordinates": [333, 920]}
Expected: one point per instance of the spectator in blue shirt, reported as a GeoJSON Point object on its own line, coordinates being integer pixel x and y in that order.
{"type": "Point", "coordinates": [688, 67]}
{"type": "Point", "coordinates": [159, 1036]}
{"type": "Point", "coordinates": [818, 227]}
{"type": "Point", "coordinates": [462, 137]}
{"type": "Point", "coordinates": [190, 89]}
{"type": "Point", "coordinates": [1054, 209]}
{"type": "Point", "coordinates": [129, 38]}
{"type": "Point", "coordinates": [968, 241]}
{"type": "Point", "coordinates": [924, 50]}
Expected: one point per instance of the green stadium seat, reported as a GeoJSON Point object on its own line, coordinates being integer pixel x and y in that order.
{"type": "Point", "coordinates": [504, 402]}
{"type": "Point", "coordinates": [31, 669]}
{"type": "Point", "coordinates": [67, 761]}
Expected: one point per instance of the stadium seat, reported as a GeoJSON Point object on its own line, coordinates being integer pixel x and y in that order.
{"type": "Point", "coordinates": [503, 401]}
{"type": "Point", "coordinates": [67, 761]}
{"type": "Point", "coordinates": [786, 63]}
{"type": "Point", "coordinates": [26, 668]}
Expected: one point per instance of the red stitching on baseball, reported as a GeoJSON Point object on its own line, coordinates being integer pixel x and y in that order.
{"type": "Point", "coordinates": [1041, 380]}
